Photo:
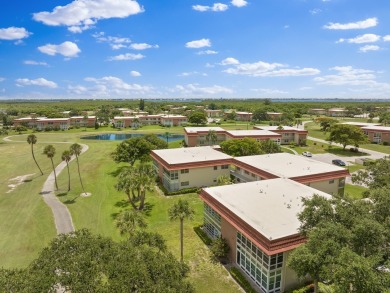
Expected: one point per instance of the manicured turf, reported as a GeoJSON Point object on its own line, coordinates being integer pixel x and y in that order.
{"type": "Point", "coordinates": [354, 191]}
{"type": "Point", "coordinates": [26, 223]}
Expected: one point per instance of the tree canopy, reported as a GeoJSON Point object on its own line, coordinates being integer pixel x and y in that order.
{"type": "Point", "coordinates": [241, 147]}
{"type": "Point", "coordinates": [376, 174]}
{"type": "Point", "coordinates": [347, 135]}
{"type": "Point", "coordinates": [137, 148]}
{"type": "Point", "coordinates": [347, 242]}
{"type": "Point", "coordinates": [198, 118]}
{"type": "Point", "coordinates": [82, 262]}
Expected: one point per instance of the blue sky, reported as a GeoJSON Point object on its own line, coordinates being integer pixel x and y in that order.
{"type": "Point", "coordinates": [195, 49]}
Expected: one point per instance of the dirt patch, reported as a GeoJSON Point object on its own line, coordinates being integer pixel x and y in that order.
{"type": "Point", "coordinates": [15, 182]}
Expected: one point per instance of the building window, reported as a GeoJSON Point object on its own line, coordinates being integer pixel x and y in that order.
{"type": "Point", "coordinates": [246, 172]}
{"type": "Point", "coordinates": [174, 175]}
{"type": "Point", "coordinates": [212, 222]}
{"type": "Point", "coordinates": [238, 169]}
{"type": "Point", "coordinates": [331, 181]}
{"type": "Point", "coordinates": [215, 167]}
{"type": "Point", "coordinates": [225, 167]}
{"type": "Point", "coordinates": [265, 270]}
{"type": "Point", "coordinates": [184, 171]}
{"type": "Point", "coordinates": [185, 183]}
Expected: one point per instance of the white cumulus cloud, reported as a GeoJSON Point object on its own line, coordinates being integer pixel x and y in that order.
{"type": "Point", "coordinates": [67, 49]}
{"type": "Point", "coordinates": [184, 74]}
{"type": "Point", "coordinates": [239, 3]}
{"type": "Point", "coordinates": [261, 68]}
{"type": "Point", "coordinates": [217, 7]}
{"type": "Point", "coordinates": [347, 75]}
{"type": "Point", "coordinates": [32, 62]}
{"type": "Point", "coordinates": [367, 48]}
{"type": "Point", "coordinates": [366, 38]}
{"type": "Point", "coordinates": [386, 38]}
{"type": "Point", "coordinates": [230, 61]}
{"type": "Point", "coordinates": [13, 33]}
{"type": "Point", "coordinates": [38, 82]}
{"type": "Point", "coordinates": [195, 89]}
{"type": "Point", "coordinates": [199, 43]}
{"type": "Point", "coordinates": [207, 52]}
{"type": "Point", "coordinates": [135, 73]}
{"type": "Point", "coordinates": [142, 46]}
{"type": "Point", "coordinates": [369, 22]}
{"type": "Point", "coordinates": [109, 86]}
{"type": "Point", "coordinates": [127, 56]}
{"type": "Point", "coordinates": [80, 15]}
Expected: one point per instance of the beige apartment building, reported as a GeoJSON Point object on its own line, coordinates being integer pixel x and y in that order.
{"type": "Point", "coordinates": [288, 134]}
{"type": "Point", "coordinates": [190, 167]}
{"type": "Point", "coordinates": [259, 135]}
{"type": "Point", "coordinates": [198, 136]}
{"type": "Point", "coordinates": [377, 134]}
{"type": "Point", "coordinates": [259, 221]}
{"type": "Point", "coordinates": [318, 175]}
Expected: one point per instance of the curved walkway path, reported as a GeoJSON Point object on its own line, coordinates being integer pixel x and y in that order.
{"type": "Point", "coordinates": [62, 217]}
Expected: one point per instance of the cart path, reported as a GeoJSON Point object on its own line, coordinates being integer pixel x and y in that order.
{"type": "Point", "coordinates": [62, 217]}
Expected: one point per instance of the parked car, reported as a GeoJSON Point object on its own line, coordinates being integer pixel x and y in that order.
{"type": "Point", "coordinates": [338, 162]}
{"type": "Point", "coordinates": [307, 154]}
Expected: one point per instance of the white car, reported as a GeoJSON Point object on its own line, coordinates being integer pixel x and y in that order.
{"type": "Point", "coordinates": [307, 154]}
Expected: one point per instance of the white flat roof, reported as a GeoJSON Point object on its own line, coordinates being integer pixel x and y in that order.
{"type": "Point", "coordinates": [190, 155]}
{"type": "Point", "coordinates": [197, 129]}
{"type": "Point", "coordinates": [287, 165]}
{"type": "Point", "coordinates": [273, 128]}
{"type": "Point", "coordinates": [253, 132]}
{"type": "Point", "coordinates": [380, 128]}
{"type": "Point", "coordinates": [269, 206]}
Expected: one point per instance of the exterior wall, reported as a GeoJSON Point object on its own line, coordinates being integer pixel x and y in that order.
{"type": "Point", "coordinates": [290, 279]}
{"type": "Point", "coordinates": [243, 175]}
{"type": "Point", "coordinates": [201, 139]}
{"type": "Point", "coordinates": [378, 136]}
{"type": "Point", "coordinates": [80, 121]}
{"type": "Point", "coordinates": [230, 234]}
{"type": "Point", "coordinates": [333, 187]}
{"type": "Point", "coordinates": [195, 177]}
{"type": "Point", "coordinates": [63, 125]}
{"type": "Point", "coordinates": [202, 176]}
{"type": "Point", "coordinates": [191, 141]}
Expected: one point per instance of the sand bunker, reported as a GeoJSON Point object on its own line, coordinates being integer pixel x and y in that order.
{"type": "Point", "coordinates": [15, 182]}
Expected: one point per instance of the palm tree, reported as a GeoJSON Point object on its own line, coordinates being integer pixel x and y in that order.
{"type": "Point", "coordinates": [66, 156]}
{"type": "Point", "coordinates": [32, 139]}
{"type": "Point", "coordinates": [167, 134]}
{"type": "Point", "coordinates": [181, 210]}
{"type": "Point", "coordinates": [211, 137]}
{"type": "Point", "coordinates": [75, 149]}
{"type": "Point", "coordinates": [130, 221]}
{"type": "Point", "coordinates": [50, 151]}
{"type": "Point", "coordinates": [146, 179]}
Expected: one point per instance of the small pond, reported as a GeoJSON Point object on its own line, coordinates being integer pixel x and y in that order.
{"type": "Point", "coordinates": [123, 136]}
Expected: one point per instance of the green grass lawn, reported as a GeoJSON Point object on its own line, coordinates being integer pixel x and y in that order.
{"type": "Point", "coordinates": [314, 131]}
{"type": "Point", "coordinates": [354, 191]}
{"type": "Point", "coordinates": [26, 223]}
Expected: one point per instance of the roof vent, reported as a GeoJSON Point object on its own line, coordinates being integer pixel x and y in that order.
{"type": "Point", "coordinates": [288, 206]}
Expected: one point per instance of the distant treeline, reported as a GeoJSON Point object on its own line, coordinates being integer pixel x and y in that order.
{"type": "Point", "coordinates": [52, 108]}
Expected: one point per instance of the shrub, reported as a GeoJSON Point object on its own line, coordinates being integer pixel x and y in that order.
{"type": "Point", "coordinates": [241, 280]}
{"type": "Point", "coordinates": [181, 191]}
{"type": "Point", "coordinates": [385, 143]}
{"type": "Point", "coordinates": [203, 235]}
{"type": "Point", "coordinates": [220, 248]}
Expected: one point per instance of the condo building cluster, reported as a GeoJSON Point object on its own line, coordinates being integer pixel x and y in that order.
{"type": "Point", "coordinates": [257, 215]}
